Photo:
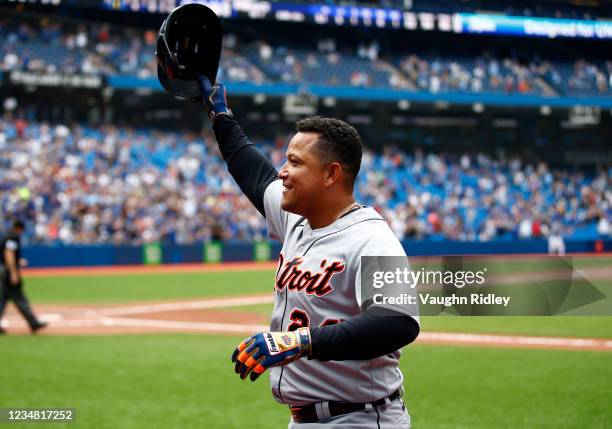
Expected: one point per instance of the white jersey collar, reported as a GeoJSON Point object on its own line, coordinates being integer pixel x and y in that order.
{"type": "Point", "coordinates": [363, 213]}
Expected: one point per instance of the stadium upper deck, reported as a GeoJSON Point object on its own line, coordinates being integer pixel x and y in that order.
{"type": "Point", "coordinates": [50, 45]}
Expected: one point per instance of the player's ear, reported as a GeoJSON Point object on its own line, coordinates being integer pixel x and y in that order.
{"type": "Point", "coordinates": [333, 173]}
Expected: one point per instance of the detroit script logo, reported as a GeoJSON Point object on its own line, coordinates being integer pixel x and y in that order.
{"type": "Point", "coordinates": [293, 278]}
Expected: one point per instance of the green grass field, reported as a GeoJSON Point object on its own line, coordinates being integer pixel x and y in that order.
{"type": "Point", "coordinates": [187, 380]}
{"type": "Point", "coordinates": [147, 287]}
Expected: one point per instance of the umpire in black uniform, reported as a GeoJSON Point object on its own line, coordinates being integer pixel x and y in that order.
{"type": "Point", "coordinates": [12, 285]}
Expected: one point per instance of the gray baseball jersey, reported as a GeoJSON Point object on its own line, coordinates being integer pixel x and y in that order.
{"type": "Point", "coordinates": [317, 284]}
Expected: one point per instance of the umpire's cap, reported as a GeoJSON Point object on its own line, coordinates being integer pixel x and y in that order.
{"type": "Point", "coordinates": [188, 46]}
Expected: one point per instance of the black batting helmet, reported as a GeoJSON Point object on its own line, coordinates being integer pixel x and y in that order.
{"type": "Point", "coordinates": [188, 46]}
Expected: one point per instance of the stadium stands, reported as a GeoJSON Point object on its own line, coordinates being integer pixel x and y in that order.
{"type": "Point", "coordinates": [49, 46]}
{"type": "Point", "coordinates": [114, 184]}
{"type": "Point", "coordinates": [117, 185]}
{"type": "Point", "coordinates": [483, 74]}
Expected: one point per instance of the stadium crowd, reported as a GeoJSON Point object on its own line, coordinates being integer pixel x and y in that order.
{"type": "Point", "coordinates": [48, 45]}
{"type": "Point", "coordinates": [75, 184]}
{"type": "Point", "coordinates": [484, 74]}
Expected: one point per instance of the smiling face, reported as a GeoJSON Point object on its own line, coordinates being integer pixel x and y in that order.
{"type": "Point", "coordinates": [303, 175]}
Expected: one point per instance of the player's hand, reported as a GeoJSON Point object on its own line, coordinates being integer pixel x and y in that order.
{"type": "Point", "coordinates": [215, 98]}
{"type": "Point", "coordinates": [267, 349]}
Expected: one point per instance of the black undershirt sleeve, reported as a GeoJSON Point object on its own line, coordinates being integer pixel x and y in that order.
{"type": "Point", "coordinates": [375, 332]}
{"type": "Point", "coordinates": [248, 166]}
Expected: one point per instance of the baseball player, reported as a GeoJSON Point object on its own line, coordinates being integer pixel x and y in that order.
{"type": "Point", "coordinates": [332, 360]}
{"type": "Point", "coordinates": [11, 287]}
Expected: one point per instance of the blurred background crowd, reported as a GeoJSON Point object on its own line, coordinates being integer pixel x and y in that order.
{"type": "Point", "coordinates": [49, 45]}
{"type": "Point", "coordinates": [470, 137]}
{"type": "Point", "coordinates": [121, 185]}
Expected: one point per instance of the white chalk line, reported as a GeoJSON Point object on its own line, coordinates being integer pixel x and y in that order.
{"type": "Point", "coordinates": [514, 340]}
{"type": "Point", "coordinates": [200, 326]}
{"type": "Point", "coordinates": [424, 337]}
{"type": "Point", "coordinates": [147, 323]}
{"type": "Point", "coordinates": [100, 318]}
{"type": "Point", "coordinates": [190, 305]}
{"type": "Point", "coordinates": [74, 323]}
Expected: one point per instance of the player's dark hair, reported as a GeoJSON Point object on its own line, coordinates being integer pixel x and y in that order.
{"type": "Point", "coordinates": [338, 142]}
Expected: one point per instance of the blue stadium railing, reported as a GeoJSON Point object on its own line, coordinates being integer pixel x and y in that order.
{"type": "Point", "coordinates": [373, 94]}
{"type": "Point", "coordinates": [106, 254]}
{"type": "Point", "coordinates": [379, 94]}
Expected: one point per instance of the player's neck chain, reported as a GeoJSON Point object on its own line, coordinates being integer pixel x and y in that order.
{"type": "Point", "coordinates": [349, 209]}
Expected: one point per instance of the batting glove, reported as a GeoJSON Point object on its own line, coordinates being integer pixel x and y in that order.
{"type": "Point", "coordinates": [267, 349]}
{"type": "Point", "coordinates": [215, 98]}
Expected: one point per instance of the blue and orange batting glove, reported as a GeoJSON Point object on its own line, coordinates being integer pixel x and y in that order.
{"type": "Point", "coordinates": [267, 349]}
{"type": "Point", "coordinates": [215, 98]}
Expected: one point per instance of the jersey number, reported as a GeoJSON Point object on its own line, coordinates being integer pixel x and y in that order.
{"type": "Point", "coordinates": [299, 319]}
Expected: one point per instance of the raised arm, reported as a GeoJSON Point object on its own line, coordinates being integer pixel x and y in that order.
{"type": "Point", "coordinates": [248, 166]}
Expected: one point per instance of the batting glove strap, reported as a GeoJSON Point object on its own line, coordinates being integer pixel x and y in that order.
{"type": "Point", "coordinates": [267, 349]}
{"type": "Point", "coordinates": [215, 98]}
